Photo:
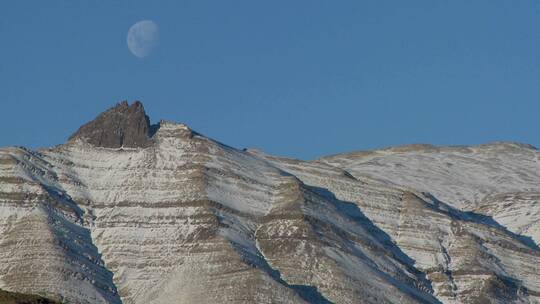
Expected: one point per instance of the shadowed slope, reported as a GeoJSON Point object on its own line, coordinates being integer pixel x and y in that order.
{"type": "Point", "coordinates": [20, 298]}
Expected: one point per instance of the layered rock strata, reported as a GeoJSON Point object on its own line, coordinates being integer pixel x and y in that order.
{"type": "Point", "coordinates": [127, 212]}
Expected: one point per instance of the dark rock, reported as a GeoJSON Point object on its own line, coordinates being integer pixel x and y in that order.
{"type": "Point", "coordinates": [19, 298]}
{"type": "Point", "coordinates": [123, 125]}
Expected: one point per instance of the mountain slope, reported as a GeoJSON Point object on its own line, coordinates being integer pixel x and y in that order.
{"type": "Point", "coordinates": [466, 256]}
{"type": "Point", "coordinates": [478, 178]}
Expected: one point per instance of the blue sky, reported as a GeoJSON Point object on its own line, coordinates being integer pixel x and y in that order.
{"type": "Point", "coordinates": [293, 78]}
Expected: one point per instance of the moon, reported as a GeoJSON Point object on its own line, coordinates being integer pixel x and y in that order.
{"type": "Point", "coordinates": [142, 38]}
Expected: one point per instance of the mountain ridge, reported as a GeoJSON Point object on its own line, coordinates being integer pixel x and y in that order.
{"type": "Point", "coordinates": [165, 214]}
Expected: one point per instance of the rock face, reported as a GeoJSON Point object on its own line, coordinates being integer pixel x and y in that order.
{"type": "Point", "coordinates": [120, 126]}
{"type": "Point", "coordinates": [180, 218]}
{"type": "Point", "coordinates": [18, 298]}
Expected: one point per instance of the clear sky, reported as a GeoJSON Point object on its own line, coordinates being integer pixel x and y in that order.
{"type": "Point", "coordinates": [293, 78]}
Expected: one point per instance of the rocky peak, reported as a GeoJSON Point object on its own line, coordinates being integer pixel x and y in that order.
{"type": "Point", "coordinates": [123, 125]}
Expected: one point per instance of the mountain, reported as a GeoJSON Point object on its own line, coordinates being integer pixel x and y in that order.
{"type": "Point", "coordinates": [129, 212]}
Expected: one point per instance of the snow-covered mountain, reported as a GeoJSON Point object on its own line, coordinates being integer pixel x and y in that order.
{"type": "Point", "coordinates": [128, 212]}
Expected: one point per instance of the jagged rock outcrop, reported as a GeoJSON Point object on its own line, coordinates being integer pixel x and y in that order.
{"type": "Point", "coordinates": [123, 125]}
{"type": "Point", "coordinates": [180, 218]}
